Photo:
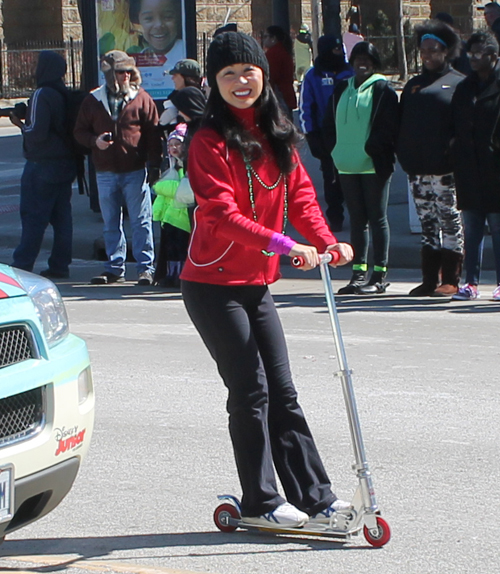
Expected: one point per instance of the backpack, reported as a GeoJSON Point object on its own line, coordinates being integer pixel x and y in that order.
{"type": "Point", "coordinates": [74, 101]}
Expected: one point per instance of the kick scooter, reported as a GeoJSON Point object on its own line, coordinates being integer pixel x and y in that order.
{"type": "Point", "coordinates": [363, 513]}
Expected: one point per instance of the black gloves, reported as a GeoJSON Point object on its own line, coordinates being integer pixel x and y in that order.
{"type": "Point", "coordinates": [153, 175]}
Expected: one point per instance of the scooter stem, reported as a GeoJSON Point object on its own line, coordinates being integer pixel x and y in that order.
{"type": "Point", "coordinates": [344, 374]}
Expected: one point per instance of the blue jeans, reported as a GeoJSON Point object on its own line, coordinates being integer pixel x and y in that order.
{"type": "Point", "coordinates": [46, 199]}
{"type": "Point", "coordinates": [114, 190]}
{"type": "Point", "coordinates": [474, 222]}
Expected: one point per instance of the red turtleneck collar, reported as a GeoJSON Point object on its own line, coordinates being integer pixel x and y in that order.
{"type": "Point", "coordinates": [245, 116]}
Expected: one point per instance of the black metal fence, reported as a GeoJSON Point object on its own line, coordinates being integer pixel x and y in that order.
{"type": "Point", "coordinates": [388, 49]}
{"type": "Point", "coordinates": [17, 63]}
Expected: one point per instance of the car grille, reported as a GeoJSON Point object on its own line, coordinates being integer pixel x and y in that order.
{"type": "Point", "coordinates": [22, 415]}
{"type": "Point", "coordinates": [15, 345]}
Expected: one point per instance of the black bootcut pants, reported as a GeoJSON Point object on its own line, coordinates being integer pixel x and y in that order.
{"type": "Point", "coordinates": [242, 331]}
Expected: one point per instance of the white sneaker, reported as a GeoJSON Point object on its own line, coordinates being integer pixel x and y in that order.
{"type": "Point", "coordinates": [283, 515]}
{"type": "Point", "coordinates": [496, 294]}
{"type": "Point", "coordinates": [324, 516]}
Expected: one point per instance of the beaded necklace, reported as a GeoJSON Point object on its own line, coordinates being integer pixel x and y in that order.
{"type": "Point", "coordinates": [250, 172]}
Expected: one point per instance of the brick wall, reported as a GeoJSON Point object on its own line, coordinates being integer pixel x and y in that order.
{"type": "Point", "coordinates": [210, 14]}
{"type": "Point", "coordinates": [59, 19]}
{"type": "Point", "coordinates": [32, 20]}
{"type": "Point", "coordinates": [72, 27]}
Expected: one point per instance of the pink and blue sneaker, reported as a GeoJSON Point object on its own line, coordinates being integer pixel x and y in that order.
{"type": "Point", "coordinates": [467, 293]}
{"type": "Point", "coordinates": [496, 294]}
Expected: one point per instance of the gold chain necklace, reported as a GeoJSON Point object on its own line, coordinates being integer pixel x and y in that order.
{"type": "Point", "coordinates": [250, 172]}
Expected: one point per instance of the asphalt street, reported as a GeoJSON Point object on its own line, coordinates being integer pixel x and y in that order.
{"type": "Point", "coordinates": [425, 377]}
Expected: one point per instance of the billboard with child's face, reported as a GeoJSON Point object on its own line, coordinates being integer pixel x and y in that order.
{"type": "Point", "coordinates": [152, 31]}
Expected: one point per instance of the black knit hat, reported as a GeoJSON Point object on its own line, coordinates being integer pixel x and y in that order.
{"type": "Point", "coordinates": [190, 101]}
{"type": "Point", "coordinates": [234, 48]}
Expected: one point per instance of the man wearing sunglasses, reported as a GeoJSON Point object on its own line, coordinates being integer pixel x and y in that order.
{"type": "Point", "coordinates": [476, 114]}
{"type": "Point", "coordinates": [492, 18]}
{"type": "Point", "coordinates": [117, 121]}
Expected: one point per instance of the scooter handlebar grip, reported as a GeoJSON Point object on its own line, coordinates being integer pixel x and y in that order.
{"type": "Point", "coordinates": [298, 261]}
{"type": "Point", "coordinates": [331, 257]}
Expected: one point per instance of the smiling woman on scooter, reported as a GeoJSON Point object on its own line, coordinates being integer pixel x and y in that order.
{"type": "Point", "coordinates": [248, 181]}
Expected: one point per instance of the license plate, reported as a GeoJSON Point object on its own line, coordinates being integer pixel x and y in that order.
{"type": "Point", "coordinates": [6, 492]}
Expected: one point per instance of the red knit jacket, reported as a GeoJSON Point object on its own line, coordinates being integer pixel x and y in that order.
{"type": "Point", "coordinates": [226, 243]}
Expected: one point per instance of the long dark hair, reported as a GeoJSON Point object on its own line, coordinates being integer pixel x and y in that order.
{"type": "Point", "coordinates": [276, 127]}
{"type": "Point", "coordinates": [192, 81]}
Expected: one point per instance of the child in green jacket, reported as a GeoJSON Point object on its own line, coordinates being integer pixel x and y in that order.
{"type": "Point", "coordinates": [173, 215]}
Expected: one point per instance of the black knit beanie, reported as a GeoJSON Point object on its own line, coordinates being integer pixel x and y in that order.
{"type": "Point", "coordinates": [234, 48]}
{"type": "Point", "coordinates": [190, 101]}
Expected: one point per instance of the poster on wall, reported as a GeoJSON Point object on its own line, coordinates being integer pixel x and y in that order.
{"type": "Point", "coordinates": [153, 32]}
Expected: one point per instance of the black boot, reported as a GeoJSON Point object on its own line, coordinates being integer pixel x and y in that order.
{"type": "Point", "coordinates": [357, 280]}
{"type": "Point", "coordinates": [431, 264]}
{"type": "Point", "coordinates": [376, 285]}
{"type": "Point", "coordinates": [451, 271]}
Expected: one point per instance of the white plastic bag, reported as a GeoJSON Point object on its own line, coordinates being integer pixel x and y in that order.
{"type": "Point", "coordinates": [184, 195]}
{"type": "Point", "coordinates": [169, 116]}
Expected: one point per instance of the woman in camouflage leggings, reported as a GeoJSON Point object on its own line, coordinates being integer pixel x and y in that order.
{"type": "Point", "coordinates": [423, 150]}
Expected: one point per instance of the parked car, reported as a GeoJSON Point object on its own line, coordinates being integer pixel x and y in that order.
{"type": "Point", "coordinates": [46, 399]}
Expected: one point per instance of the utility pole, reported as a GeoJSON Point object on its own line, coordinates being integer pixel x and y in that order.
{"type": "Point", "coordinates": [88, 17]}
{"type": "Point", "coordinates": [281, 14]}
{"type": "Point", "coordinates": [316, 24]}
{"type": "Point", "coordinates": [331, 17]}
{"type": "Point", "coordinates": [400, 43]}
{"type": "Point", "coordinates": [90, 76]}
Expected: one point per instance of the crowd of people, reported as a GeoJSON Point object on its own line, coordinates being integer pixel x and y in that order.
{"type": "Point", "coordinates": [444, 131]}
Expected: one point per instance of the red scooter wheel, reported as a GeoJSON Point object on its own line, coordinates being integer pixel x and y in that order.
{"type": "Point", "coordinates": [383, 533]}
{"type": "Point", "coordinates": [222, 515]}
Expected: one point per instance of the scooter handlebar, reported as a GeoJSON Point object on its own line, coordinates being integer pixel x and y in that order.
{"type": "Point", "coordinates": [331, 257]}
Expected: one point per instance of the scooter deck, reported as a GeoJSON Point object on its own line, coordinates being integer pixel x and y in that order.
{"type": "Point", "coordinates": [308, 530]}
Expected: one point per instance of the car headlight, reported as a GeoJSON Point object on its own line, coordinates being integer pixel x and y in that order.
{"type": "Point", "coordinates": [84, 385]}
{"type": "Point", "coordinates": [48, 304]}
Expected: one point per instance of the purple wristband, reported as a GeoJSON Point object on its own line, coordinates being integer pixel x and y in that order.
{"type": "Point", "coordinates": [281, 244]}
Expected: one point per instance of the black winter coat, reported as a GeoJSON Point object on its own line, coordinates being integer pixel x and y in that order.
{"type": "Point", "coordinates": [476, 150]}
{"type": "Point", "coordinates": [380, 143]}
{"type": "Point", "coordinates": [426, 129]}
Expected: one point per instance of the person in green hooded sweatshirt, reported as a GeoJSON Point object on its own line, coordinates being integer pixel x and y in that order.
{"type": "Point", "coordinates": [361, 126]}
